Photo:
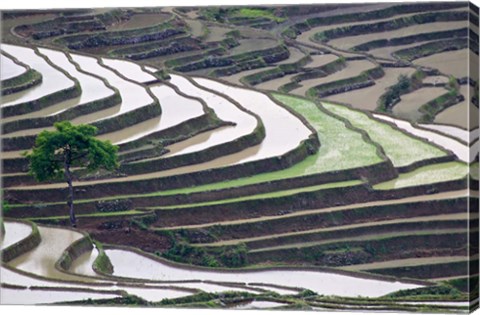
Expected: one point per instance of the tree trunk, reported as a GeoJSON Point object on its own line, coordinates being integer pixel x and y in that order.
{"type": "Point", "coordinates": [68, 178]}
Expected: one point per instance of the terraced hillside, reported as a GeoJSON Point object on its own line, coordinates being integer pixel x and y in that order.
{"type": "Point", "coordinates": [307, 157]}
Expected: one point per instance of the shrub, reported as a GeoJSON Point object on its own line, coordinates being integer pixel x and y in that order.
{"type": "Point", "coordinates": [234, 257]}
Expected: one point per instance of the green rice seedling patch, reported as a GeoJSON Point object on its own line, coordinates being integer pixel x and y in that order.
{"type": "Point", "coordinates": [430, 174]}
{"type": "Point", "coordinates": [275, 194]}
{"type": "Point", "coordinates": [399, 147]}
{"type": "Point", "coordinates": [341, 148]}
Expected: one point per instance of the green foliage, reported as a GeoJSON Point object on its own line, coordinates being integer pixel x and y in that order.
{"type": "Point", "coordinates": [404, 85]}
{"type": "Point", "coordinates": [259, 13]}
{"type": "Point", "coordinates": [5, 205]}
{"type": "Point", "coordinates": [307, 293]}
{"type": "Point", "coordinates": [234, 257]}
{"type": "Point", "coordinates": [432, 290]}
{"type": "Point", "coordinates": [214, 14]}
{"type": "Point", "coordinates": [431, 48]}
{"type": "Point", "coordinates": [183, 252]}
{"type": "Point", "coordinates": [223, 14]}
{"type": "Point", "coordinates": [463, 284]}
{"type": "Point", "coordinates": [21, 82]}
{"type": "Point", "coordinates": [453, 84]}
{"type": "Point", "coordinates": [392, 96]}
{"type": "Point", "coordinates": [48, 155]}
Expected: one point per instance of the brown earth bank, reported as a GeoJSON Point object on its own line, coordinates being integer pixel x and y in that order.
{"type": "Point", "coordinates": [122, 232]}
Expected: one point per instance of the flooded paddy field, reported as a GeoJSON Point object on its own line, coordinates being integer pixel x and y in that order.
{"type": "Point", "coordinates": [15, 232]}
{"type": "Point", "coordinates": [9, 68]}
{"type": "Point", "coordinates": [133, 95]}
{"type": "Point", "coordinates": [123, 262]}
{"type": "Point", "coordinates": [52, 79]}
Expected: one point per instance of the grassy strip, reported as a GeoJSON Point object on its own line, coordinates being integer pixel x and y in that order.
{"type": "Point", "coordinates": [131, 36]}
{"type": "Point", "coordinates": [178, 62]}
{"type": "Point", "coordinates": [427, 175]}
{"type": "Point", "coordinates": [23, 246]}
{"type": "Point", "coordinates": [399, 147]}
{"type": "Point", "coordinates": [366, 249]}
{"type": "Point", "coordinates": [42, 102]}
{"type": "Point", "coordinates": [239, 67]}
{"type": "Point", "coordinates": [275, 194]}
{"type": "Point", "coordinates": [22, 82]}
{"type": "Point", "coordinates": [307, 222]}
{"type": "Point", "coordinates": [69, 114]}
{"type": "Point", "coordinates": [102, 264]}
{"type": "Point", "coordinates": [428, 271]}
{"type": "Point", "coordinates": [364, 79]}
{"type": "Point", "coordinates": [298, 28]}
{"type": "Point", "coordinates": [431, 48]}
{"type": "Point", "coordinates": [437, 105]}
{"type": "Point", "coordinates": [395, 24]}
{"type": "Point", "coordinates": [334, 232]}
{"type": "Point", "coordinates": [407, 40]}
{"type": "Point", "coordinates": [264, 56]}
{"type": "Point", "coordinates": [162, 48]}
{"type": "Point", "coordinates": [71, 24]}
{"type": "Point", "coordinates": [277, 72]}
{"type": "Point", "coordinates": [90, 215]}
{"type": "Point", "coordinates": [47, 100]}
{"type": "Point", "coordinates": [381, 14]}
{"type": "Point", "coordinates": [320, 72]}
{"type": "Point", "coordinates": [75, 250]}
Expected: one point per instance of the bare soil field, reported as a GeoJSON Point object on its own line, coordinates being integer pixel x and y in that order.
{"type": "Point", "coordinates": [367, 98]}
{"type": "Point", "coordinates": [408, 107]}
{"type": "Point", "coordinates": [216, 33]}
{"type": "Point", "coordinates": [320, 60]}
{"type": "Point", "coordinates": [449, 63]}
{"type": "Point", "coordinates": [457, 114]}
{"type": "Point", "coordinates": [351, 41]}
{"type": "Point", "coordinates": [273, 85]}
{"type": "Point", "coordinates": [141, 20]}
{"type": "Point", "coordinates": [353, 68]}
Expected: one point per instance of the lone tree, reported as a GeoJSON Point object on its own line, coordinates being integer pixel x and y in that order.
{"type": "Point", "coordinates": [55, 152]}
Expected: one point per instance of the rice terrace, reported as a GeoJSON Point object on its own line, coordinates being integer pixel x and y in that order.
{"type": "Point", "coordinates": [302, 157]}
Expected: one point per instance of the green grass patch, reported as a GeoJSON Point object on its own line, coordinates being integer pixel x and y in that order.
{"type": "Point", "coordinates": [399, 147]}
{"type": "Point", "coordinates": [275, 194]}
{"type": "Point", "coordinates": [341, 148]}
{"type": "Point", "coordinates": [430, 174]}
{"type": "Point", "coordinates": [258, 13]}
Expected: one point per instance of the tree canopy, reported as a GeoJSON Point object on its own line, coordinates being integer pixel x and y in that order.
{"type": "Point", "coordinates": [55, 152]}
{"type": "Point", "coordinates": [77, 144]}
